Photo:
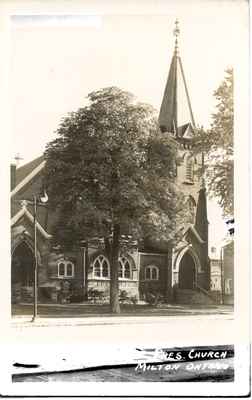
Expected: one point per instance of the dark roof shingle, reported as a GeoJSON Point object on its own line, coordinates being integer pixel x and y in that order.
{"type": "Point", "coordinates": [23, 171]}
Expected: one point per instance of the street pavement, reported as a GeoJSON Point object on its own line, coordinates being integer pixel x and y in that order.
{"type": "Point", "coordinates": [67, 344]}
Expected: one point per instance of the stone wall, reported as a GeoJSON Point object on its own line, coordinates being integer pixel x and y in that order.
{"type": "Point", "coordinates": [103, 286]}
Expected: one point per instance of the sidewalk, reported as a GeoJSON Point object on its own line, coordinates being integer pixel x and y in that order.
{"type": "Point", "coordinates": [91, 341]}
{"type": "Point", "coordinates": [26, 321]}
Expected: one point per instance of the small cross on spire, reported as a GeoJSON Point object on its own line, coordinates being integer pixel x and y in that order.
{"type": "Point", "coordinates": [18, 158]}
{"type": "Point", "coordinates": [176, 33]}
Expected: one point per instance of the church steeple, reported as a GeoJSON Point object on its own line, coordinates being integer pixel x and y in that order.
{"type": "Point", "coordinates": [176, 111]}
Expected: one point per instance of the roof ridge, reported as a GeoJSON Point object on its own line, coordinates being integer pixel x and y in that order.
{"type": "Point", "coordinates": [28, 172]}
{"type": "Point", "coordinates": [31, 162]}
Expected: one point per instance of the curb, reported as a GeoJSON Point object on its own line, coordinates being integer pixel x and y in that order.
{"type": "Point", "coordinates": [73, 321]}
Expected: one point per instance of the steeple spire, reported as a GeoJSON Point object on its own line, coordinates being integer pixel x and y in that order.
{"type": "Point", "coordinates": [176, 112]}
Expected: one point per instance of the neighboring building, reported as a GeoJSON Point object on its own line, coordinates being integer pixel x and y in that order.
{"type": "Point", "coordinates": [222, 273]}
{"type": "Point", "coordinates": [181, 274]}
{"type": "Point", "coordinates": [215, 264]}
{"type": "Point", "coordinates": [228, 272]}
{"type": "Point", "coordinates": [215, 268]}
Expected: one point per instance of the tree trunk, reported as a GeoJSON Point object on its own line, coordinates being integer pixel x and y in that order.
{"type": "Point", "coordinates": [114, 285]}
{"type": "Point", "coordinates": [107, 247]}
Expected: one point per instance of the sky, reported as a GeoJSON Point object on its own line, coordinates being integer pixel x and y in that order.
{"type": "Point", "coordinates": [57, 60]}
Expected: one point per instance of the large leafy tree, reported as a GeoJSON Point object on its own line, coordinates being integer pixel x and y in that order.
{"type": "Point", "coordinates": [217, 144]}
{"type": "Point", "coordinates": [110, 172]}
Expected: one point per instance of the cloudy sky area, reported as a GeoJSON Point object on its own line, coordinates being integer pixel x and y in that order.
{"type": "Point", "coordinates": [57, 60]}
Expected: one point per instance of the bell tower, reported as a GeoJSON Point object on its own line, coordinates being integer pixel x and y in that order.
{"type": "Point", "coordinates": [176, 119]}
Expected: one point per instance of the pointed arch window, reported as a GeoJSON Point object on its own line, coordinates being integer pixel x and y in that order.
{"type": "Point", "coordinates": [125, 270]}
{"type": "Point", "coordinates": [101, 267]}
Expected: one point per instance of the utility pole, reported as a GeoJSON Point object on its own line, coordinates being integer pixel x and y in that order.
{"type": "Point", "coordinates": [35, 203]}
{"type": "Point", "coordinates": [35, 283]}
{"type": "Point", "coordinates": [222, 276]}
{"type": "Point", "coordinates": [84, 248]}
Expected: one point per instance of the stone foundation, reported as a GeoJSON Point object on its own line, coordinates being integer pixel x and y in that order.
{"type": "Point", "coordinates": [102, 288]}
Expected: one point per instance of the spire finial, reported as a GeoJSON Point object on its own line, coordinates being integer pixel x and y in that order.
{"type": "Point", "coordinates": [17, 159]}
{"type": "Point", "coordinates": [176, 33]}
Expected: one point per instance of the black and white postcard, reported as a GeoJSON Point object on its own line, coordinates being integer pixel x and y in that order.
{"type": "Point", "coordinates": [125, 212]}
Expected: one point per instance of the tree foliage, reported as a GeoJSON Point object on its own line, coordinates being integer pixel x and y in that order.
{"type": "Point", "coordinates": [217, 144]}
{"type": "Point", "coordinates": [109, 172]}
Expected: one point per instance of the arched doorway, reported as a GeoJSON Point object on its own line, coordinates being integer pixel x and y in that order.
{"type": "Point", "coordinates": [22, 272]}
{"type": "Point", "coordinates": [187, 272]}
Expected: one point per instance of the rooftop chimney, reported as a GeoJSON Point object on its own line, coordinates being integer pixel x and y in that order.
{"type": "Point", "coordinates": [13, 175]}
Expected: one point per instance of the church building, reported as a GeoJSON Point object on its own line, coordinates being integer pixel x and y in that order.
{"type": "Point", "coordinates": [180, 275]}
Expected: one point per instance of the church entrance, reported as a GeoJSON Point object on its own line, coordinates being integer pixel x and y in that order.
{"type": "Point", "coordinates": [187, 274]}
{"type": "Point", "coordinates": [22, 273]}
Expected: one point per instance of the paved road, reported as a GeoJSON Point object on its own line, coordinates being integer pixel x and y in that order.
{"type": "Point", "coordinates": [136, 330]}
{"type": "Point", "coordinates": [49, 340]}
{"type": "Point", "coordinates": [88, 343]}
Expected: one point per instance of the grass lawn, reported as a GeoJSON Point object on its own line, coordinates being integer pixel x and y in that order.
{"type": "Point", "coordinates": [103, 310]}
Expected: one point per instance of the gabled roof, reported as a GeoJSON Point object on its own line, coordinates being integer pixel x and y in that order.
{"type": "Point", "coordinates": [24, 212]}
{"type": "Point", "coordinates": [191, 228]}
{"type": "Point", "coordinates": [176, 111]}
{"type": "Point", "coordinates": [196, 234]}
{"type": "Point", "coordinates": [185, 131]}
{"type": "Point", "coordinates": [25, 178]}
{"type": "Point", "coordinates": [27, 168]}
{"type": "Point", "coordinates": [27, 172]}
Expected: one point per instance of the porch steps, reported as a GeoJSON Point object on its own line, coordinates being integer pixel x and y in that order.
{"type": "Point", "coordinates": [193, 296]}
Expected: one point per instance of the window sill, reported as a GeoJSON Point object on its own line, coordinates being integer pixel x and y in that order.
{"type": "Point", "coordinates": [149, 280]}
{"type": "Point", "coordinates": [127, 280]}
{"type": "Point", "coordinates": [98, 278]}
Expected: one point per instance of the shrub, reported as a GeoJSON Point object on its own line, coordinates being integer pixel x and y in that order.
{"type": "Point", "coordinates": [133, 300]}
{"type": "Point", "coordinates": [124, 297]}
{"type": "Point", "coordinates": [153, 299]}
{"type": "Point", "coordinates": [95, 295]}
